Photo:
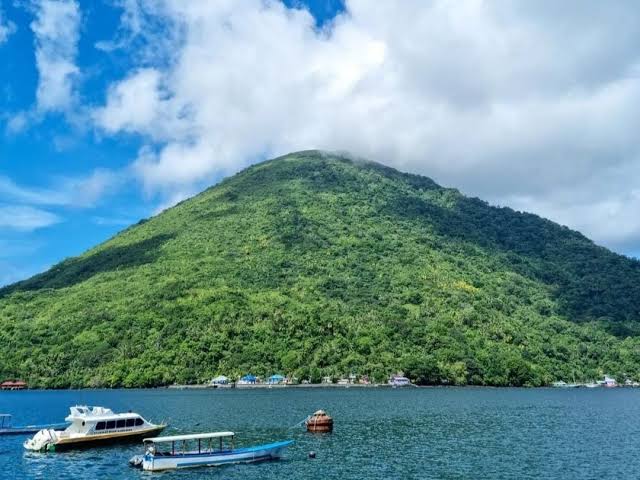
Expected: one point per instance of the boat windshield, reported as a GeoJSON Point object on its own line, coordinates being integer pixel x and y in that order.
{"type": "Point", "coordinates": [190, 444]}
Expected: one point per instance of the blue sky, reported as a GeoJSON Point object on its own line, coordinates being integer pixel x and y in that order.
{"type": "Point", "coordinates": [113, 110]}
{"type": "Point", "coordinates": [46, 156]}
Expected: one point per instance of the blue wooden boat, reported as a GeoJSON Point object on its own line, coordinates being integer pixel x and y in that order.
{"type": "Point", "coordinates": [202, 449]}
{"type": "Point", "coordinates": [7, 429]}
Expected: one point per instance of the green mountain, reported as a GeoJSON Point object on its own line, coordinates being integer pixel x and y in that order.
{"type": "Point", "coordinates": [313, 264]}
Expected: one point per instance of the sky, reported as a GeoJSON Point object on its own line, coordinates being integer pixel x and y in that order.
{"type": "Point", "coordinates": [113, 110]}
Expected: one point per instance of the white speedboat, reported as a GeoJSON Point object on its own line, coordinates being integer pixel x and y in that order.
{"type": "Point", "coordinates": [92, 425]}
{"type": "Point", "coordinates": [202, 449]}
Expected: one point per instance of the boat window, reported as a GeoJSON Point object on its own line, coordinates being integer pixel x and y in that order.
{"type": "Point", "coordinates": [139, 422]}
{"type": "Point", "coordinates": [100, 426]}
{"type": "Point", "coordinates": [120, 424]}
{"type": "Point", "coordinates": [131, 422]}
{"type": "Point", "coordinates": [111, 424]}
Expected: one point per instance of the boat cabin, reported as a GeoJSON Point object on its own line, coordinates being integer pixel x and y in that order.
{"type": "Point", "coordinates": [195, 444]}
{"type": "Point", "coordinates": [89, 420]}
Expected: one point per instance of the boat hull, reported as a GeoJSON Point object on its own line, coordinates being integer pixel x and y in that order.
{"type": "Point", "coordinates": [158, 462]}
{"type": "Point", "coordinates": [81, 442]}
{"type": "Point", "coordinates": [107, 439]}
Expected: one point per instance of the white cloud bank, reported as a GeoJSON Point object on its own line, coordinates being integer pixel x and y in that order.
{"type": "Point", "coordinates": [534, 104]}
{"type": "Point", "coordinates": [56, 30]}
{"type": "Point", "coordinates": [25, 218]}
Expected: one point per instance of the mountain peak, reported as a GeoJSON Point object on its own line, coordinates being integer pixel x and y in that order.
{"type": "Point", "coordinates": [315, 264]}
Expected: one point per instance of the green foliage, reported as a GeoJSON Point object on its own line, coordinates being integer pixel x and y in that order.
{"type": "Point", "coordinates": [315, 265]}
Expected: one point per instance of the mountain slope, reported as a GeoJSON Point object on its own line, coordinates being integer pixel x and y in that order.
{"type": "Point", "coordinates": [316, 265]}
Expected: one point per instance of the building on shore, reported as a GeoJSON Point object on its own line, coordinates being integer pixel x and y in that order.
{"type": "Point", "coordinates": [248, 380]}
{"type": "Point", "coordinates": [609, 382]}
{"type": "Point", "coordinates": [399, 380]}
{"type": "Point", "coordinates": [219, 380]}
{"type": "Point", "coordinates": [276, 379]}
{"type": "Point", "coordinates": [13, 385]}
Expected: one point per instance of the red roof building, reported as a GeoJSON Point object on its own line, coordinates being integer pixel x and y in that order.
{"type": "Point", "coordinates": [13, 385]}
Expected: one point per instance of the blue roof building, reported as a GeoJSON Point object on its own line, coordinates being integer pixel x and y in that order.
{"type": "Point", "coordinates": [275, 379]}
{"type": "Point", "coordinates": [248, 379]}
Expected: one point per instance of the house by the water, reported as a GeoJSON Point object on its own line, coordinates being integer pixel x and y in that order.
{"type": "Point", "coordinates": [13, 385]}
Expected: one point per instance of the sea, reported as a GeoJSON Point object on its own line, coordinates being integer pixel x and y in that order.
{"type": "Point", "coordinates": [380, 433]}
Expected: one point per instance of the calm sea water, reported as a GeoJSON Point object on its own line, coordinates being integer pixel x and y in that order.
{"type": "Point", "coordinates": [443, 433]}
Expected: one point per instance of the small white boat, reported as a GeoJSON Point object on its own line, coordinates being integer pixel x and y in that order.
{"type": "Point", "coordinates": [202, 449]}
{"type": "Point", "coordinates": [92, 425]}
{"type": "Point", "coordinates": [7, 429]}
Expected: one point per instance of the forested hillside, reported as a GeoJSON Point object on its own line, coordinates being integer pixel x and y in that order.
{"type": "Point", "coordinates": [312, 264]}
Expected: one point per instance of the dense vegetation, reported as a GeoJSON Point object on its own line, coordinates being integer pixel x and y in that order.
{"type": "Point", "coordinates": [313, 265]}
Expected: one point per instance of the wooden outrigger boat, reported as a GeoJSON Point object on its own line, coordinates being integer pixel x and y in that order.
{"type": "Point", "coordinates": [91, 426]}
{"type": "Point", "coordinates": [202, 449]}
{"type": "Point", "coordinates": [7, 429]}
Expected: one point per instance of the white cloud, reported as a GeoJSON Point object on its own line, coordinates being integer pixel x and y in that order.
{"type": "Point", "coordinates": [56, 30]}
{"type": "Point", "coordinates": [7, 28]}
{"type": "Point", "coordinates": [613, 220]}
{"type": "Point", "coordinates": [504, 100]}
{"type": "Point", "coordinates": [87, 190]}
{"type": "Point", "coordinates": [17, 122]}
{"type": "Point", "coordinates": [80, 192]}
{"type": "Point", "coordinates": [605, 206]}
{"type": "Point", "coordinates": [25, 218]}
{"type": "Point", "coordinates": [141, 89]}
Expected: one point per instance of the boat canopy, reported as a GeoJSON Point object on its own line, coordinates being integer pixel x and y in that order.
{"type": "Point", "coordinates": [249, 378]}
{"type": "Point", "coordinates": [195, 436]}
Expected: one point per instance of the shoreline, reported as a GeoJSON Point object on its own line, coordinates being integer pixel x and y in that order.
{"type": "Point", "coordinates": [279, 385]}
{"type": "Point", "coordinates": [261, 386]}
{"type": "Point", "coordinates": [312, 386]}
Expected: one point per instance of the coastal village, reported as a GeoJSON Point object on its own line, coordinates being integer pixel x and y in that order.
{"type": "Point", "coordinates": [277, 380]}
{"type": "Point", "coordinates": [606, 382]}
{"type": "Point", "coordinates": [352, 380]}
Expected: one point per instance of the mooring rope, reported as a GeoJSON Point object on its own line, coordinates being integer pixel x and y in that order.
{"type": "Point", "coordinates": [301, 422]}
